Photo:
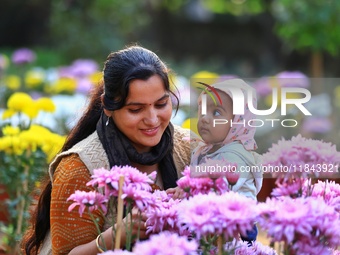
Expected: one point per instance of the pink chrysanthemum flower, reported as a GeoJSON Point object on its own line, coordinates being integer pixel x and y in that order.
{"type": "Point", "coordinates": [303, 222]}
{"type": "Point", "coordinates": [257, 248]}
{"type": "Point", "coordinates": [335, 252]}
{"type": "Point", "coordinates": [166, 243]}
{"type": "Point", "coordinates": [307, 246]}
{"type": "Point", "coordinates": [164, 215]}
{"type": "Point", "coordinates": [328, 190]}
{"type": "Point", "coordinates": [229, 214]}
{"type": "Point", "coordinates": [285, 218]}
{"type": "Point", "coordinates": [118, 252]}
{"type": "Point", "coordinates": [93, 200]}
{"type": "Point", "coordinates": [291, 187]}
{"type": "Point", "coordinates": [109, 179]}
{"type": "Point", "coordinates": [301, 157]}
{"type": "Point", "coordinates": [200, 185]}
{"type": "Point", "coordinates": [142, 199]}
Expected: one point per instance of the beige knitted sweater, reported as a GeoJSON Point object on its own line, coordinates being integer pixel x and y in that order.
{"type": "Point", "coordinates": [92, 153]}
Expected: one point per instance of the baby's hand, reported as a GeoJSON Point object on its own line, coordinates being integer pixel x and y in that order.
{"type": "Point", "coordinates": [177, 193]}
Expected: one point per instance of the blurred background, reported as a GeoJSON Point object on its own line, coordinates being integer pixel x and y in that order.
{"type": "Point", "coordinates": [55, 49]}
{"type": "Point", "coordinates": [245, 37]}
{"type": "Point", "coordinates": [68, 41]}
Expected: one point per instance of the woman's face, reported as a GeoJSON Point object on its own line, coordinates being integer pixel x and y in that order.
{"type": "Point", "coordinates": [146, 113]}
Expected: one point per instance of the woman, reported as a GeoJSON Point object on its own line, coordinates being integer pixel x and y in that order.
{"type": "Point", "coordinates": [127, 122]}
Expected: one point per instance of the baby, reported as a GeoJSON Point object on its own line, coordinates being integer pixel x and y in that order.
{"type": "Point", "coordinates": [228, 137]}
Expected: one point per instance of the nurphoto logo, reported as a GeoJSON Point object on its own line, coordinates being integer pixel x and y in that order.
{"type": "Point", "coordinates": [240, 98]}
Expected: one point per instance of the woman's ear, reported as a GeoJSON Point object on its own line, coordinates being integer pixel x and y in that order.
{"type": "Point", "coordinates": [107, 113]}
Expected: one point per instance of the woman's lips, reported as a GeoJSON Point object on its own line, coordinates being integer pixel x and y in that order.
{"type": "Point", "coordinates": [150, 131]}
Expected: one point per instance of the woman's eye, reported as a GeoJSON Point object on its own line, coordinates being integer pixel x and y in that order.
{"type": "Point", "coordinates": [162, 105]}
{"type": "Point", "coordinates": [135, 110]}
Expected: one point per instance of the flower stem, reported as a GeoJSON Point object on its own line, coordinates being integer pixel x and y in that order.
{"type": "Point", "coordinates": [220, 242]}
{"type": "Point", "coordinates": [119, 213]}
{"type": "Point", "coordinates": [139, 221]}
{"type": "Point", "coordinates": [97, 227]}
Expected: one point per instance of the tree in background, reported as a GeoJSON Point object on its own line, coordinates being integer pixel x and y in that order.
{"type": "Point", "coordinates": [308, 26]}
{"type": "Point", "coordinates": [311, 26]}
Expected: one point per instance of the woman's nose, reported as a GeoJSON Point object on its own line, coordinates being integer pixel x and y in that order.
{"type": "Point", "coordinates": [151, 118]}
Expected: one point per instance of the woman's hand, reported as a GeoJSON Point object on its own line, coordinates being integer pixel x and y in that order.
{"type": "Point", "coordinates": [177, 193]}
{"type": "Point", "coordinates": [138, 224]}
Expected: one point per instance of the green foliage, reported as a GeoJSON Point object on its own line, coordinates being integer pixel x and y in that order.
{"type": "Point", "coordinates": [93, 28]}
{"type": "Point", "coordinates": [19, 174]}
{"type": "Point", "coordinates": [308, 24]}
{"type": "Point", "coordinates": [235, 7]}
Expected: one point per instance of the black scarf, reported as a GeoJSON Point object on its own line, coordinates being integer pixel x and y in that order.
{"type": "Point", "coordinates": [120, 151]}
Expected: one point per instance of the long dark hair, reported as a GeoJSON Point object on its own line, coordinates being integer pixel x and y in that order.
{"type": "Point", "coordinates": [120, 69]}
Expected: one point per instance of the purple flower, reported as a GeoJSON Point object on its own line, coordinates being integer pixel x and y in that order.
{"type": "Point", "coordinates": [166, 243]}
{"type": "Point", "coordinates": [84, 67]}
{"type": "Point", "coordinates": [109, 179]}
{"type": "Point", "coordinates": [84, 85]}
{"type": "Point", "coordinates": [327, 190]}
{"type": "Point", "coordinates": [23, 56]}
{"type": "Point", "coordinates": [136, 186]}
{"type": "Point", "coordinates": [194, 186]}
{"type": "Point", "coordinates": [91, 199]}
{"type": "Point", "coordinates": [263, 86]}
{"type": "Point", "coordinates": [301, 157]}
{"type": "Point", "coordinates": [224, 77]}
{"type": "Point", "coordinates": [79, 69]}
{"type": "Point", "coordinates": [291, 187]}
{"type": "Point", "coordinates": [163, 216]}
{"type": "Point", "coordinates": [142, 199]}
{"type": "Point", "coordinates": [118, 252]}
{"type": "Point", "coordinates": [320, 125]}
{"type": "Point", "coordinates": [285, 218]}
{"type": "Point", "coordinates": [293, 79]}
{"type": "Point", "coordinates": [256, 249]}
{"type": "Point", "coordinates": [229, 214]}
{"type": "Point", "coordinates": [304, 223]}
{"type": "Point", "coordinates": [200, 185]}
{"type": "Point", "coordinates": [310, 247]}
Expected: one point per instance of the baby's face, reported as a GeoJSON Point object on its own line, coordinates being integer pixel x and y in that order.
{"type": "Point", "coordinates": [214, 126]}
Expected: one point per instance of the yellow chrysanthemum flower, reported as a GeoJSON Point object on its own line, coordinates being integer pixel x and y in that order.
{"type": "Point", "coordinates": [45, 104]}
{"type": "Point", "coordinates": [11, 145]}
{"type": "Point", "coordinates": [49, 142]}
{"type": "Point", "coordinates": [53, 146]}
{"type": "Point", "coordinates": [64, 84]}
{"type": "Point", "coordinates": [13, 82]}
{"type": "Point", "coordinates": [34, 78]}
{"type": "Point", "coordinates": [8, 114]}
{"type": "Point", "coordinates": [205, 76]}
{"type": "Point", "coordinates": [31, 111]}
{"type": "Point", "coordinates": [19, 101]}
{"type": "Point", "coordinates": [96, 77]}
{"type": "Point", "coordinates": [9, 130]}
